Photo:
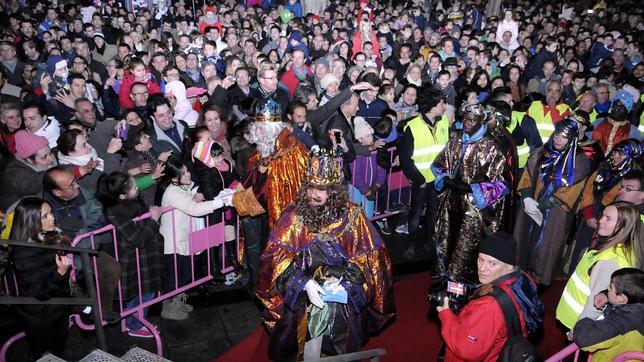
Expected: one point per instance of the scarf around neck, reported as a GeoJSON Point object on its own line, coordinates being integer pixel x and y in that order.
{"type": "Point", "coordinates": [82, 160]}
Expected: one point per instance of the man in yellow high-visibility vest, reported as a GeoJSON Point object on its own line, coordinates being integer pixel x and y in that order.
{"type": "Point", "coordinates": [552, 110]}
{"type": "Point", "coordinates": [424, 136]}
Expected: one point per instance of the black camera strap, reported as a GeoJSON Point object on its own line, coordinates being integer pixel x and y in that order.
{"type": "Point", "coordinates": [512, 322]}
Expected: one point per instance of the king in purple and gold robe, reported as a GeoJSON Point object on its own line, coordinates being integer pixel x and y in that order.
{"type": "Point", "coordinates": [466, 217]}
{"type": "Point", "coordinates": [295, 254]}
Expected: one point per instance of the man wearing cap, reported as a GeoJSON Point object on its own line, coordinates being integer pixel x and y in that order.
{"type": "Point", "coordinates": [103, 51]}
{"type": "Point", "coordinates": [24, 173]}
{"type": "Point", "coordinates": [325, 273]}
{"type": "Point", "coordinates": [479, 331]}
{"type": "Point", "coordinates": [616, 127]}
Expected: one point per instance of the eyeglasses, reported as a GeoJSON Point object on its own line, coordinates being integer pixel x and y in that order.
{"type": "Point", "coordinates": [72, 185]}
{"type": "Point", "coordinates": [167, 114]}
{"type": "Point", "coordinates": [270, 78]}
{"type": "Point", "coordinates": [78, 63]}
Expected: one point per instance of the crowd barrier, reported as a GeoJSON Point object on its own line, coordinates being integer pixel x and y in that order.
{"type": "Point", "coordinates": [392, 198]}
{"type": "Point", "coordinates": [201, 249]}
{"type": "Point", "coordinates": [573, 351]}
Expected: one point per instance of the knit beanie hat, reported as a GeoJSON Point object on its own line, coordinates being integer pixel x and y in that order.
{"type": "Point", "coordinates": [328, 79]}
{"type": "Point", "coordinates": [361, 128]}
{"type": "Point", "coordinates": [501, 246]}
{"type": "Point", "coordinates": [27, 144]}
{"type": "Point", "coordinates": [201, 151]}
{"type": "Point", "coordinates": [626, 99]}
{"type": "Point", "coordinates": [55, 62]}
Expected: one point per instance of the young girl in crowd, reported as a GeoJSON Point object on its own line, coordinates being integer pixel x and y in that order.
{"type": "Point", "coordinates": [42, 274]}
{"type": "Point", "coordinates": [177, 189]}
{"type": "Point", "coordinates": [367, 176]}
{"type": "Point", "coordinates": [214, 173]}
{"type": "Point", "coordinates": [137, 73]}
{"type": "Point", "coordinates": [119, 194]}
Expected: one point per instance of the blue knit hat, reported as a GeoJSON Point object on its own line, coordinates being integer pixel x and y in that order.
{"type": "Point", "coordinates": [626, 99]}
{"type": "Point", "coordinates": [54, 62]}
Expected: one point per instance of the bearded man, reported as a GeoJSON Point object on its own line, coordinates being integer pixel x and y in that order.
{"type": "Point", "coordinates": [326, 273]}
{"type": "Point", "coordinates": [274, 171]}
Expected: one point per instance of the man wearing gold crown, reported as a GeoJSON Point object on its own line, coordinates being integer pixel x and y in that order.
{"type": "Point", "coordinates": [325, 274]}
{"type": "Point", "coordinates": [274, 171]}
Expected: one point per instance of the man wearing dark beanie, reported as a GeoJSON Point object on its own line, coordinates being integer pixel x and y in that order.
{"type": "Point", "coordinates": [479, 331]}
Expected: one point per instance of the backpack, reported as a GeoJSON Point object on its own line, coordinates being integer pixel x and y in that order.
{"type": "Point", "coordinates": [516, 348]}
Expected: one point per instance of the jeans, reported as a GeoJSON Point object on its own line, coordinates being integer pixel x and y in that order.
{"type": "Point", "coordinates": [422, 197]}
{"type": "Point", "coordinates": [131, 322]}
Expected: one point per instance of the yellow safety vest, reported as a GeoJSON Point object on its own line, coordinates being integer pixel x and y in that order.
{"type": "Point", "coordinates": [428, 142]}
{"type": "Point", "coordinates": [544, 121]}
{"type": "Point", "coordinates": [523, 150]}
{"type": "Point", "coordinates": [577, 289]}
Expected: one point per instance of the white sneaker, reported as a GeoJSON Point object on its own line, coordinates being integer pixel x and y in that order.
{"type": "Point", "coordinates": [402, 229]}
{"type": "Point", "coordinates": [182, 301]}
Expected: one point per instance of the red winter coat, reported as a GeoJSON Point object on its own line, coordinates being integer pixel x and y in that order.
{"type": "Point", "coordinates": [124, 93]}
{"type": "Point", "coordinates": [478, 333]}
{"type": "Point", "coordinates": [290, 80]}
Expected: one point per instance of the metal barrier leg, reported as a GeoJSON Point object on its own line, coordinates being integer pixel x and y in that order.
{"type": "Point", "coordinates": [7, 345]}
{"type": "Point", "coordinates": [91, 289]}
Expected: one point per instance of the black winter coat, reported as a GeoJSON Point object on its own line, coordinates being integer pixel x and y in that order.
{"type": "Point", "coordinates": [38, 277]}
{"type": "Point", "coordinates": [143, 235]}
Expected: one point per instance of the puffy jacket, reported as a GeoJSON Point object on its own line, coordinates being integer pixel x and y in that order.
{"type": "Point", "coordinates": [478, 332]}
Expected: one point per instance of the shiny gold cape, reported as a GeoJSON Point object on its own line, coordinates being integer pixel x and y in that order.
{"type": "Point", "coordinates": [286, 170]}
{"type": "Point", "coordinates": [361, 243]}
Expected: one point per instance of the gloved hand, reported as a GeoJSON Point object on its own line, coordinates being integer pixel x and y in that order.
{"type": "Point", "coordinates": [226, 196]}
{"type": "Point", "coordinates": [313, 290]}
{"type": "Point", "coordinates": [530, 205]}
{"type": "Point", "coordinates": [456, 185]}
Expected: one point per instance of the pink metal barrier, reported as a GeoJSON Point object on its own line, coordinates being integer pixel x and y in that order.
{"type": "Point", "coordinates": [397, 189]}
{"type": "Point", "coordinates": [626, 356]}
{"type": "Point", "coordinates": [571, 349]}
{"type": "Point", "coordinates": [201, 240]}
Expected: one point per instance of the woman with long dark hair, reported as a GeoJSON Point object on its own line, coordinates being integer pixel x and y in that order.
{"type": "Point", "coordinates": [42, 274]}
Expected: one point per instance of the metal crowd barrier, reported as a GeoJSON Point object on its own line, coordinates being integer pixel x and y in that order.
{"type": "Point", "coordinates": [572, 351]}
{"type": "Point", "coordinates": [200, 241]}
{"type": "Point", "coordinates": [12, 296]}
{"type": "Point", "coordinates": [392, 198]}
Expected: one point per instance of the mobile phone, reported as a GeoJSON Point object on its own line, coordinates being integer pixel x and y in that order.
{"type": "Point", "coordinates": [123, 133]}
{"type": "Point", "coordinates": [338, 136]}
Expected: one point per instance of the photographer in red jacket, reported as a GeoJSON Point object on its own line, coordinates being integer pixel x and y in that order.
{"type": "Point", "coordinates": [478, 332]}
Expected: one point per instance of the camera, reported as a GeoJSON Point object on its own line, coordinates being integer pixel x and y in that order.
{"type": "Point", "coordinates": [457, 293]}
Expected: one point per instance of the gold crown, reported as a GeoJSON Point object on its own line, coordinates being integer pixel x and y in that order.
{"type": "Point", "coordinates": [325, 168]}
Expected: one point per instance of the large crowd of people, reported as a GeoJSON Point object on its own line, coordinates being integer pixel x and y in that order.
{"type": "Point", "coordinates": [517, 124]}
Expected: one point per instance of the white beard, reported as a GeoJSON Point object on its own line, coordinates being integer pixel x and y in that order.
{"type": "Point", "coordinates": [264, 135]}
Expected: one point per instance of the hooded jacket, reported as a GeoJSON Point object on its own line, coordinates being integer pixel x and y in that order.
{"type": "Point", "coordinates": [183, 109]}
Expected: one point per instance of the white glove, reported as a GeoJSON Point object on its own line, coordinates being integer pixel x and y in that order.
{"type": "Point", "coordinates": [531, 206]}
{"type": "Point", "coordinates": [226, 196]}
{"type": "Point", "coordinates": [313, 290]}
